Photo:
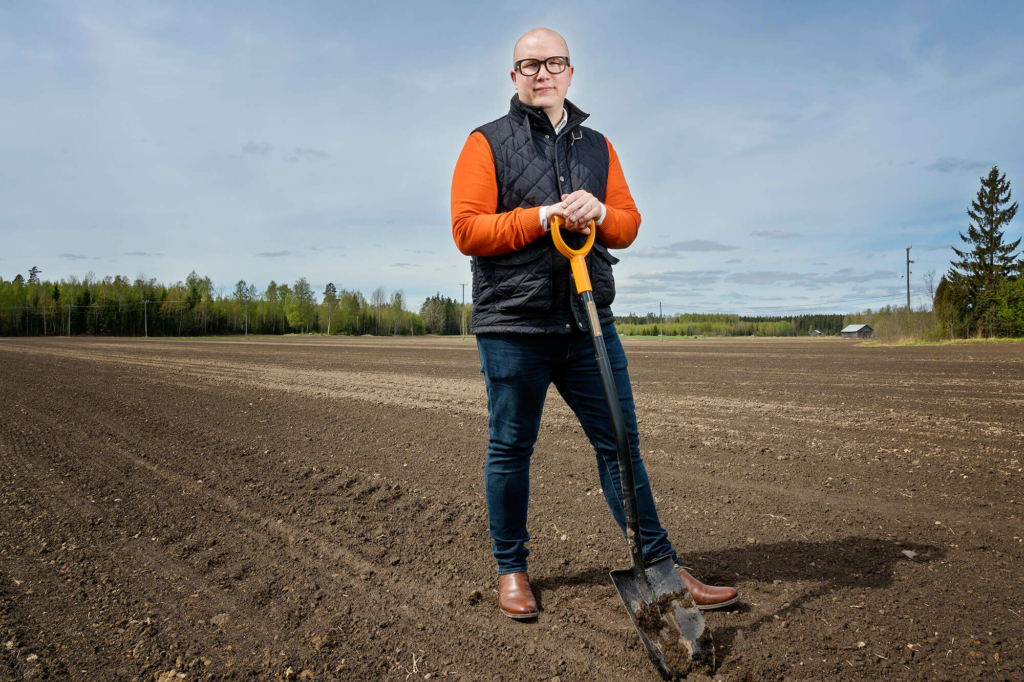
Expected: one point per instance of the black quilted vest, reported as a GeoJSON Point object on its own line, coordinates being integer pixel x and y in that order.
{"type": "Point", "coordinates": [531, 290]}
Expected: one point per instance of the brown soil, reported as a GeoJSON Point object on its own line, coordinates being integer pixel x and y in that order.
{"type": "Point", "coordinates": [659, 623]}
{"type": "Point", "coordinates": [313, 509]}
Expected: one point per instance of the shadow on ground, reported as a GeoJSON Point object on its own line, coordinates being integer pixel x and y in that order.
{"type": "Point", "coordinates": [847, 562]}
{"type": "Point", "coordinates": [852, 562]}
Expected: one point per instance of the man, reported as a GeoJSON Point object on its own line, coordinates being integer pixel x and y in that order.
{"type": "Point", "coordinates": [513, 176]}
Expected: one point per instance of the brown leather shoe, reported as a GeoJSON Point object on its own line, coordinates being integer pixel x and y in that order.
{"type": "Point", "coordinates": [708, 597]}
{"type": "Point", "coordinates": [515, 596]}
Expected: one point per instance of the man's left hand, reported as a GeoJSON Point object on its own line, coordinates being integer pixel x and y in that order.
{"type": "Point", "coordinates": [580, 208]}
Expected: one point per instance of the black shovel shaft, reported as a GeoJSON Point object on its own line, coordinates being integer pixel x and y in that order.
{"type": "Point", "coordinates": [611, 396]}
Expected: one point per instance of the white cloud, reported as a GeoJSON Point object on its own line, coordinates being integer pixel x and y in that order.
{"type": "Point", "coordinates": [841, 276]}
{"type": "Point", "coordinates": [949, 164]}
{"type": "Point", "coordinates": [775, 234]}
{"type": "Point", "coordinates": [307, 152]}
{"type": "Point", "coordinates": [691, 246]}
{"type": "Point", "coordinates": [257, 148]}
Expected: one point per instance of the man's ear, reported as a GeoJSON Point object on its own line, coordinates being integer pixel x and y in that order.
{"type": "Point", "coordinates": [512, 73]}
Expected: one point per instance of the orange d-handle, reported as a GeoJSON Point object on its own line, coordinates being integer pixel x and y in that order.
{"type": "Point", "coordinates": [579, 266]}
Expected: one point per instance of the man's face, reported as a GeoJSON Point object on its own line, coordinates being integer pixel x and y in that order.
{"type": "Point", "coordinates": [543, 89]}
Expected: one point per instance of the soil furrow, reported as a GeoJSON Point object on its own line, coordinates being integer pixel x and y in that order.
{"type": "Point", "coordinates": [326, 495]}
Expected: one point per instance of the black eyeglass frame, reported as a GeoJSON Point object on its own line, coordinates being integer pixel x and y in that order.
{"type": "Point", "coordinates": [518, 65]}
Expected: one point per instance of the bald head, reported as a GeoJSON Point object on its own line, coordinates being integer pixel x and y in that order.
{"type": "Point", "coordinates": [541, 87]}
{"type": "Point", "coordinates": [540, 43]}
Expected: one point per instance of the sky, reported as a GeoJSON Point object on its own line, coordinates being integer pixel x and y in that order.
{"type": "Point", "coordinates": [783, 154]}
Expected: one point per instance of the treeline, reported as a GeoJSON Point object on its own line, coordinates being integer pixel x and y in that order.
{"type": "Point", "coordinates": [982, 294]}
{"type": "Point", "coordinates": [714, 324]}
{"type": "Point", "coordinates": [117, 306]}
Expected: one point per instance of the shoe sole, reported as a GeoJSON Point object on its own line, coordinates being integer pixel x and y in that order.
{"type": "Point", "coordinates": [521, 616]}
{"type": "Point", "coordinates": [712, 607]}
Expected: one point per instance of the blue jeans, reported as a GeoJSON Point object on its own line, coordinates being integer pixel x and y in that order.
{"type": "Point", "coordinates": [518, 368]}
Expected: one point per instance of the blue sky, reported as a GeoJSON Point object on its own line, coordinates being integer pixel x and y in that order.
{"type": "Point", "coordinates": [783, 154]}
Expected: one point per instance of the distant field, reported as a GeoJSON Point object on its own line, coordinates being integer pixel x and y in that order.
{"type": "Point", "coordinates": [231, 508]}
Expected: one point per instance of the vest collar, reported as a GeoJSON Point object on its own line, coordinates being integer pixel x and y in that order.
{"type": "Point", "coordinates": [535, 117]}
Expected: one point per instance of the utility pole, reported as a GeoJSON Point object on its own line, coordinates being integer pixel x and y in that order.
{"type": "Point", "coordinates": [661, 318]}
{"type": "Point", "coordinates": [145, 317]}
{"type": "Point", "coordinates": [69, 321]}
{"type": "Point", "coordinates": [463, 309]}
{"type": "Point", "coordinates": [908, 278]}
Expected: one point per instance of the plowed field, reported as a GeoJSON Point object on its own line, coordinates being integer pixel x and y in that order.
{"type": "Point", "coordinates": [313, 509]}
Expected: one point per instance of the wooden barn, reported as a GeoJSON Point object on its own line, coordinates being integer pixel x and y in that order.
{"type": "Point", "coordinates": [858, 331]}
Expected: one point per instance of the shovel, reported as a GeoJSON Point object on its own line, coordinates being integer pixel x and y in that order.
{"type": "Point", "coordinates": [659, 605]}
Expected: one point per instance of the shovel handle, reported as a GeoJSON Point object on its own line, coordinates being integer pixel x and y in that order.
{"type": "Point", "coordinates": [575, 256]}
{"type": "Point", "coordinates": [611, 394]}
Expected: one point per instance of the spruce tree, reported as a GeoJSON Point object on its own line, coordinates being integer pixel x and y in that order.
{"type": "Point", "coordinates": [989, 260]}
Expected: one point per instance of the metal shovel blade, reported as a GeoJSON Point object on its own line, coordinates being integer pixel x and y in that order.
{"type": "Point", "coordinates": [672, 629]}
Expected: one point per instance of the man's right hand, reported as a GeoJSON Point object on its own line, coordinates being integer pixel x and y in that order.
{"type": "Point", "coordinates": [557, 210]}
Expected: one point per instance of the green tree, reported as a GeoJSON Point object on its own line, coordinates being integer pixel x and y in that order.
{"type": "Point", "coordinates": [121, 306]}
{"type": "Point", "coordinates": [378, 299]}
{"type": "Point", "coordinates": [352, 305]}
{"type": "Point", "coordinates": [981, 269]}
{"type": "Point", "coordinates": [950, 305]}
{"type": "Point", "coordinates": [300, 305]}
{"type": "Point", "coordinates": [284, 297]}
{"type": "Point", "coordinates": [33, 275]}
{"type": "Point", "coordinates": [1009, 309]}
{"type": "Point", "coordinates": [329, 306]}
{"type": "Point", "coordinates": [193, 289]}
{"type": "Point", "coordinates": [272, 297]}
{"type": "Point", "coordinates": [441, 314]}
{"type": "Point", "coordinates": [241, 297]}
{"type": "Point", "coordinates": [396, 309]}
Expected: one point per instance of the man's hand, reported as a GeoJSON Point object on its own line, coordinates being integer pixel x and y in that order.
{"type": "Point", "coordinates": [578, 209]}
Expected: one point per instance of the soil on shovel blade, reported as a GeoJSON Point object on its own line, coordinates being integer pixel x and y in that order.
{"type": "Point", "coordinates": [655, 622]}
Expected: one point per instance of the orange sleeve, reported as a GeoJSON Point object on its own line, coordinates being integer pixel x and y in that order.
{"type": "Point", "coordinates": [622, 219]}
{"type": "Point", "coordinates": [477, 228]}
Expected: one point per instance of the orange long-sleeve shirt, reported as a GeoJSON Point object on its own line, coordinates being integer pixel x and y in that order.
{"type": "Point", "coordinates": [480, 231]}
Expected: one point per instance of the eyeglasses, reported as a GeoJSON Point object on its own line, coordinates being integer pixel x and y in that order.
{"type": "Point", "coordinates": [531, 67]}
